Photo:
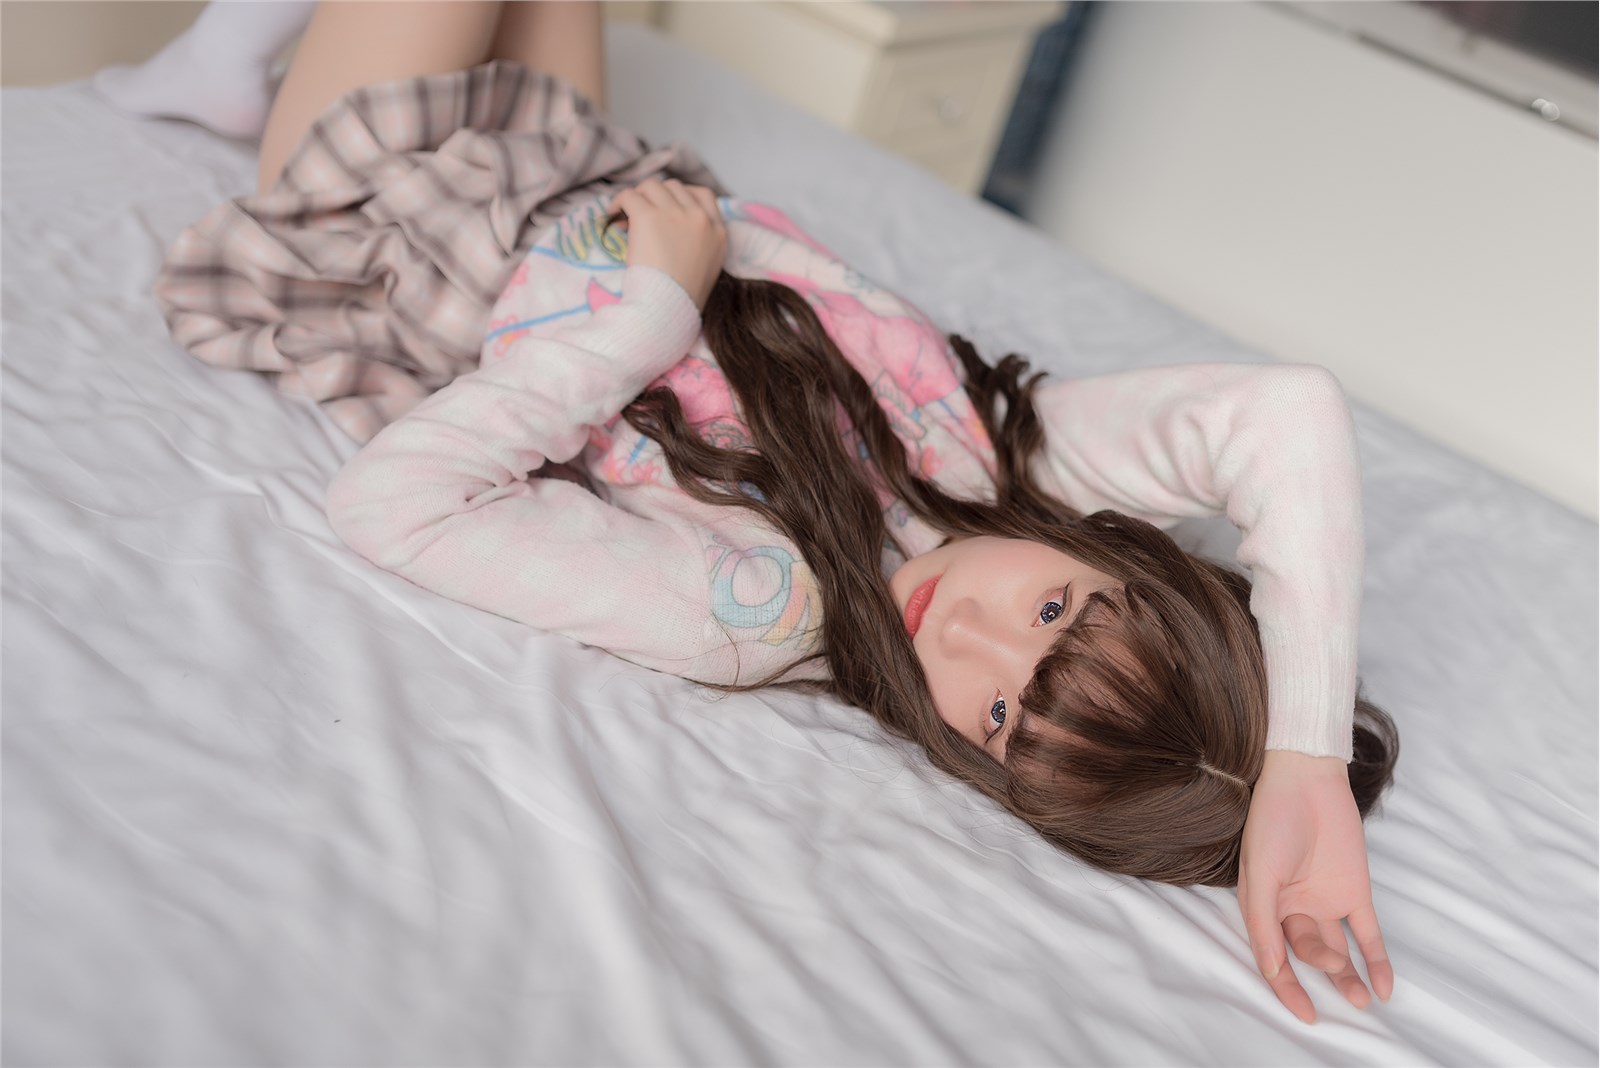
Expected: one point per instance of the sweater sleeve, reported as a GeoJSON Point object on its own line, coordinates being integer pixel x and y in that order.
{"type": "Point", "coordinates": [442, 496]}
{"type": "Point", "coordinates": [1271, 447]}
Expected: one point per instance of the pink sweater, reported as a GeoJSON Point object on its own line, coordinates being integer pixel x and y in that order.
{"type": "Point", "coordinates": [451, 495]}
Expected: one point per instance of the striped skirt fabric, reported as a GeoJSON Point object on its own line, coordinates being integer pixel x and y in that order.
{"type": "Point", "coordinates": [364, 278]}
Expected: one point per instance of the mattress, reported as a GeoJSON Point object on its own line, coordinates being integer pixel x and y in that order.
{"type": "Point", "coordinates": [265, 803]}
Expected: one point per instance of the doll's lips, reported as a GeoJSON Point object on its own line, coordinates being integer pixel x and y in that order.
{"type": "Point", "coordinates": [918, 604]}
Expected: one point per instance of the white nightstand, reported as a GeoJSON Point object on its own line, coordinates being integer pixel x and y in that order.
{"type": "Point", "coordinates": [932, 80]}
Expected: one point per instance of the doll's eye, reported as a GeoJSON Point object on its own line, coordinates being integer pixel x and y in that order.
{"type": "Point", "coordinates": [1054, 608]}
{"type": "Point", "coordinates": [997, 715]}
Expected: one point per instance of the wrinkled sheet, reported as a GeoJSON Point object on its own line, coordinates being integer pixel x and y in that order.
{"type": "Point", "coordinates": [264, 803]}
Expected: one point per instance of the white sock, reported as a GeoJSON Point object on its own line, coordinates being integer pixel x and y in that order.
{"type": "Point", "coordinates": [217, 72]}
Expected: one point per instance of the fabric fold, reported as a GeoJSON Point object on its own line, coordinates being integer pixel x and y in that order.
{"type": "Point", "coordinates": [364, 278]}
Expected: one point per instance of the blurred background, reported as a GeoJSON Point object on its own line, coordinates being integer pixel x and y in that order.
{"type": "Point", "coordinates": [1403, 191]}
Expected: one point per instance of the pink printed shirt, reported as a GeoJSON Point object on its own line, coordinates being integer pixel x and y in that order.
{"type": "Point", "coordinates": [457, 497]}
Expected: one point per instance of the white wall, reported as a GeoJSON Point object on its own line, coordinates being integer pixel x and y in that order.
{"type": "Point", "coordinates": [43, 42]}
{"type": "Point", "coordinates": [1327, 202]}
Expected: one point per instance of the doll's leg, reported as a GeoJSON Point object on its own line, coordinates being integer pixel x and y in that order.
{"type": "Point", "coordinates": [352, 43]}
{"type": "Point", "coordinates": [560, 37]}
{"type": "Point", "coordinates": [216, 72]}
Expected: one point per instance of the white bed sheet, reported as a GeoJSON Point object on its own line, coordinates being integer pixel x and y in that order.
{"type": "Point", "coordinates": [264, 803]}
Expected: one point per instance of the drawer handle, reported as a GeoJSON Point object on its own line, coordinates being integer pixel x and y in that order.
{"type": "Point", "coordinates": [950, 110]}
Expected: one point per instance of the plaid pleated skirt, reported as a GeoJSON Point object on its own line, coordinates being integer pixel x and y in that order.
{"type": "Point", "coordinates": [364, 278]}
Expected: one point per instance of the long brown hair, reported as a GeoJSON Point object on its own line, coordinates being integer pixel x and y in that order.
{"type": "Point", "coordinates": [1144, 726]}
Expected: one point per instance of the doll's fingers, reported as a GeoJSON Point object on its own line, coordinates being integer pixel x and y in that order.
{"type": "Point", "coordinates": [650, 193]}
{"type": "Point", "coordinates": [679, 195]}
{"type": "Point", "coordinates": [1345, 978]}
{"type": "Point", "coordinates": [1293, 996]}
{"type": "Point", "coordinates": [1348, 982]}
{"type": "Point", "coordinates": [1332, 934]}
{"type": "Point", "coordinates": [704, 205]}
{"type": "Point", "coordinates": [1306, 939]}
{"type": "Point", "coordinates": [1380, 973]}
{"type": "Point", "coordinates": [708, 201]}
{"type": "Point", "coordinates": [1258, 901]}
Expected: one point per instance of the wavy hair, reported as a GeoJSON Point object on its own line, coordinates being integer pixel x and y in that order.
{"type": "Point", "coordinates": [1143, 727]}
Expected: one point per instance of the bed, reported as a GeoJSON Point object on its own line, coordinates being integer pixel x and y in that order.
{"type": "Point", "coordinates": [265, 803]}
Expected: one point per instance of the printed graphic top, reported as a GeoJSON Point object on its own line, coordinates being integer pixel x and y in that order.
{"type": "Point", "coordinates": [463, 495]}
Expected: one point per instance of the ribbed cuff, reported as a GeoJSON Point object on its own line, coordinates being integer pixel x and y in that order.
{"type": "Point", "coordinates": [1311, 695]}
{"type": "Point", "coordinates": [665, 320]}
{"type": "Point", "coordinates": [641, 336]}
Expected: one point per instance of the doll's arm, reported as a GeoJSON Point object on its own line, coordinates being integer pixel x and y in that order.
{"type": "Point", "coordinates": [442, 496]}
{"type": "Point", "coordinates": [1273, 448]}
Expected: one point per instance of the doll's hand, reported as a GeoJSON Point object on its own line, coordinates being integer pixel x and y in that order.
{"type": "Point", "coordinates": [678, 229]}
{"type": "Point", "coordinates": [1303, 864]}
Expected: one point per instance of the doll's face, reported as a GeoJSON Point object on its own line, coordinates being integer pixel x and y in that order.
{"type": "Point", "coordinates": [996, 606]}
